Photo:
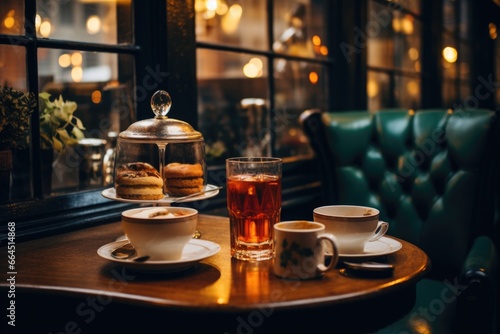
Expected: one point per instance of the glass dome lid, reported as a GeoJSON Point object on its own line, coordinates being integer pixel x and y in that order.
{"type": "Point", "coordinates": [161, 128]}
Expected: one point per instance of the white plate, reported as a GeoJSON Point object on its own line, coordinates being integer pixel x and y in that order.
{"type": "Point", "coordinates": [110, 193]}
{"type": "Point", "coordinates": [380, 247]}
{"type": "Point", "coordinates": [195, 251]}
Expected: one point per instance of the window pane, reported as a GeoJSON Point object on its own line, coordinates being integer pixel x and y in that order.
{"type": "Point", "coordinates": [464, 60]}
{"type": "Point", "coordinates": [18, 173]}
{"type": "Point", "coordinates": [13, 76]}
{"type": "Point", "coordinates": [378, 91]}
{"type": "Point", "coordinates": [449, 93]}
{"type": "Point", "coordinates": [466, 93]}
{"type": "Point", "coordinates": [299, 28]}
{"type": "Point", "coordinates": [299, 86]}
{"type": "Point", "coordinates": [411, 5]}
{"type": "Point", "coordinates": [407, 92]}
{"type": "Point", "coordinates": [464, 19]}
{"type": "Point", "coordinates": [108, 22]}
{"type": "Point", "coordinates": [380, 43]}
{"type": "Point", "coordinates": [101, 86]}
{"type": "Point", "coordinates": [407, 42]}
{"type": "Point", "coordinates": [241, 24]}
{"type": "Point", "coordinates": [12, 17]}
{"type": "Point", "coordinates": [394, 40]}
{"type": "Point", "coordinates": [226, 110]}
{"type": "Point", "coordinates": [449, 15]}
{"type": "Point", "coordinates": [449, 57]}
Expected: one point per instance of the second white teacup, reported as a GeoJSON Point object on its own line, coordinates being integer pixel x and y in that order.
{"type": "Point", "coordinates": [352, 225]}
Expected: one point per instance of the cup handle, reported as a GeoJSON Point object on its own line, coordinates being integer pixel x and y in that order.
{"type": "Point", "coordinates": [330, 238]}
{"type": "Point", "coordinates": [382, 228]}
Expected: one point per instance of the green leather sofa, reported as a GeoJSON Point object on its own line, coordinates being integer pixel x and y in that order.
{"type": "Point", "coordinates": [433, 174]}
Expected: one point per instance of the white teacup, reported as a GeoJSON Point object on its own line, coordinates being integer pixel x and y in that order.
{"type": "Point", "coordinates": [160, 232]}
{"type": "Point", "coordinates": [299, 249]}
{"type": "Point", "coordinates": [352, 225]}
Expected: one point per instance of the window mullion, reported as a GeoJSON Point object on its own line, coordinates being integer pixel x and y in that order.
{"type": "Point", "coordinates": [270, 71]}
{"type": "Point", "coordinates": [32, 78]}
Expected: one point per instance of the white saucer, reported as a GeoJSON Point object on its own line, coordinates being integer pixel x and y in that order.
{"type": "Point", "coordinates": [195, 251]}
{"type": "Point", "coordinates": [380, 247]}
{"type": "Point", "coordinates": [110, 193]}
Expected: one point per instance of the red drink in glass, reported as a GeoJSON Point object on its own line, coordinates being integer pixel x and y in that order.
{"type": "Point", "coordinates": [254, 205]}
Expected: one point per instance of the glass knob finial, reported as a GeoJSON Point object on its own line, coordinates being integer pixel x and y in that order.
{"type": "Point", "coordinates": [161, 102]}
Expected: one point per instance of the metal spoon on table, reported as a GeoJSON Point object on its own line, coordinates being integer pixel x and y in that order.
{"type": "Point", "coordinates": [127, 252]}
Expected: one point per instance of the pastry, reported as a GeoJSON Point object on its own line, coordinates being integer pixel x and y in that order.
{"type": "Point", "coordinates": [138, 180]}
{"type": "Point", "coordinates": [183, 179]}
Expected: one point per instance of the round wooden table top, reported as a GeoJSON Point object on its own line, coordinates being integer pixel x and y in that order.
{"type": "Point", "coordinates": [69, 264]}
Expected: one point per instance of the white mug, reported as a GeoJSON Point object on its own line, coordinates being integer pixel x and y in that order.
{"type": "Point", "coordinates": [352, 225]}
{"type": "Point", "coordinates": [299, 250]}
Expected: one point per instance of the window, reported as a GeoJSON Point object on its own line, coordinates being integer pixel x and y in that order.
{"type": "Point", "coordinates": [259, 65]}
{"type": "Point", "coordinates": [86, 61]}
{"type": "Point", "coordinates": [394, 54]}
{"type": "Point", "coordinates": [456, 52]}
{"type": "Point", "coordinates": [78, 58]}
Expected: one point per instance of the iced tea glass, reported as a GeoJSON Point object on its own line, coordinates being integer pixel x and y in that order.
{"type": "Point", "coordinates": [254, 205]}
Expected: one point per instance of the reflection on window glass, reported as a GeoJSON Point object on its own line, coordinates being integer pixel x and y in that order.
{"type": "Point", "coordinates": [299, 86]}
{"type": "Point", "coordinates": [12, 17]}
{"type": "Point", "coordinates": [380, 45]}
{"type": "Point", "coordinates": [464, 28]}
{"type": "Point", "coordinates": [378, 90]}
{"type": "Point", "coordinates": [88, 87]}
{"type": "Point", "coordinates": [407, 43]}
{"type": "Point", "coordinates": [464, 60]}
{"type": "Point", "coordinates": [449, 57]}
{"type": "Point", "coordinates": [233, 97]}
{"type": "Point", "coordinates": [85, 21]}
{"type": "Point", "coordinates": [13, 76]}
{"type": "Point", "coordinates": [407, 92]}
{"type": "Point", "coordinates": [449, 15]}
{"type": "Point", "coordinates": [240, 24]}
{"type": "Point", "coordinates": [411, 5]}
{"type": "Point", "coordinates": [394, 39]}
{"type": "Point", "coordinates": [13, 80]}
{"type": "Point", "coordinates": [449, 92]}
{"type": "Point", "coordinates": [299, 28]}
{"type": "Point", "coordinates": [466, 93]}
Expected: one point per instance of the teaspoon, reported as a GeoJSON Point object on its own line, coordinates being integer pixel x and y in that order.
{"type": "Point", "coordinates": [127, 252]}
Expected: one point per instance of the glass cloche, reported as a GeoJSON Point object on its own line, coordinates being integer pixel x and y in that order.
{"type": "Point", "coordinates": [159, 156]}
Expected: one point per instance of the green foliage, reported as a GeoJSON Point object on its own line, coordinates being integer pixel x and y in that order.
{"type": "Point", "coordinates": [58, 125]}
{"type": "Point", "coordinates": [15, 111]}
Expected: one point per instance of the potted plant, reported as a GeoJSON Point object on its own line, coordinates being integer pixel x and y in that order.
{"type": "Point", "coordinates": [59, 128]}
{"type": "Point", "coordinates": [16, 108]}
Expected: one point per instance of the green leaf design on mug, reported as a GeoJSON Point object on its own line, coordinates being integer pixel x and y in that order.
{"type": "Point", "coordinates": [287, 255]}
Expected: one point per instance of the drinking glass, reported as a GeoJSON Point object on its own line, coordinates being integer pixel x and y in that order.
{"type": "Point", "coordinates": [254, 205]}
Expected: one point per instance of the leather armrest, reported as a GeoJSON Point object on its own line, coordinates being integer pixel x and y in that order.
{"type": "Point", "coordinates": [481, 262]}
{"type": "Point", "coordinates": [478, 287]}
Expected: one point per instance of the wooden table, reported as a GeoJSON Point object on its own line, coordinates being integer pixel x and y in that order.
{"type": "Point", "coordinates": [62, 285]}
